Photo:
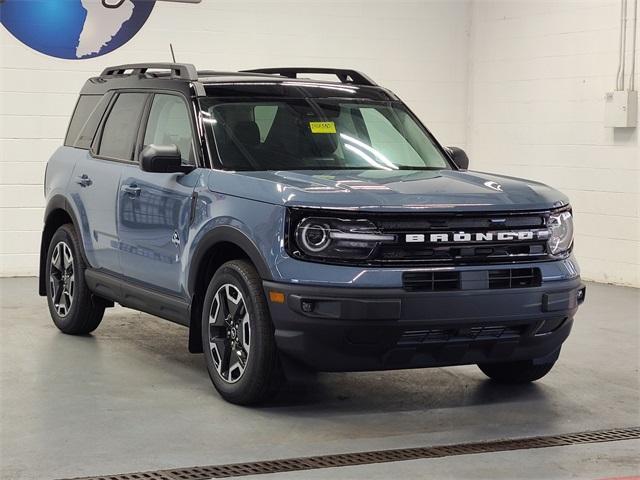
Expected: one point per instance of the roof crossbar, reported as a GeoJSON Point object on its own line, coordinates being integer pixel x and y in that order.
{"type": "Point", "coordinates": [185, 71]}
{"type": "Point", "coordinates": [344, 75]}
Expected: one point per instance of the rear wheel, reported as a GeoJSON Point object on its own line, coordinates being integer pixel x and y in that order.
{"type": "Point", "coordinates": [523, 371]}
{"type": "Point", "coordinates": [73, 309]}
{"type": "Point", "coordinates": [237, 336]}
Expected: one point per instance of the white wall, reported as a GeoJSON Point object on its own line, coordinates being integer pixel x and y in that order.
{"type": "Point", "coordinates": [539, 72]}
{"type": "Point", "coordinates": [419, 49]}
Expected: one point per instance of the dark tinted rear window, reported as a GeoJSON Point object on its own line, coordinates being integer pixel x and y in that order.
{"type": "Point", "coordinates": [87, 133]}
{"type": "Point", "coordinates": [85, 106]}
{"type": "Point", "coordinates": [121, 128]}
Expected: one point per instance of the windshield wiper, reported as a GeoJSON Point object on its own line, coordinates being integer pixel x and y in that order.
{"type": "Point", "coordinates": [334, 168]}
{"type": "Point", "coordinates": [409, 167]}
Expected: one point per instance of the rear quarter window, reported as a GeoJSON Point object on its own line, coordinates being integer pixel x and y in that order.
{"type": "Point", "coordinates": [84, 108]}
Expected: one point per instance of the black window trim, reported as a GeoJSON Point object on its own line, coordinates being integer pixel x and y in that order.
{"type": "Point", "coordinates": [97, 140]}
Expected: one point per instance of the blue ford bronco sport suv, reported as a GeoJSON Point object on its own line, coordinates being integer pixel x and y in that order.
{"type": "Point", "coordinates": [298, 225]}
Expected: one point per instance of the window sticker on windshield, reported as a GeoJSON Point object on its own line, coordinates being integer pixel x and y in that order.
{"type": "Point", "coordinates": [322, 127]}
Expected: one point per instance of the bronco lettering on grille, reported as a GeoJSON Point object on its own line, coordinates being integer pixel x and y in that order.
{"type": "Point", "coordinates": [459, 237]}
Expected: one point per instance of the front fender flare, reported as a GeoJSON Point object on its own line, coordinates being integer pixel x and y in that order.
{"type": "Point", "coordinates": [220, 234]}
{"type": "Point", "coordinates": [225, 233]}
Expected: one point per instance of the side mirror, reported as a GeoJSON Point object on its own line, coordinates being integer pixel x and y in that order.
{"type": "Point", "coordinates": [162, 159]}
{"type": "Point", "coordinates": [459, 157]}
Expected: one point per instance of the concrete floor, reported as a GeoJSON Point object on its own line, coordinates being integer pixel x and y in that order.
{"type": "Point", "coordinates": [132, 398]}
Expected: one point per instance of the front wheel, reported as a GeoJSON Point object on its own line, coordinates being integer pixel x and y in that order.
{"type": "Point", "coordinates": [238, 337]}
{"type": "Point", "coordinates": [523, 371]}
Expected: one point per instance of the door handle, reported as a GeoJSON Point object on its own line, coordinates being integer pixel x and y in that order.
{"type": "Point", "coordinates": [84, 180]}
{"type": "Point", "coordinates": [132, 190]}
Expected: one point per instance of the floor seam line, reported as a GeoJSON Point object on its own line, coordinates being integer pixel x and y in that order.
{"type": "Point", "coordinates": [377, 456]}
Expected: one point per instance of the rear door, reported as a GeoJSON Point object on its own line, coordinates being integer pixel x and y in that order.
{"type": "Point", "coordinates": [96, 177]}
{"type": "Point", "coordinates": [154, 208]}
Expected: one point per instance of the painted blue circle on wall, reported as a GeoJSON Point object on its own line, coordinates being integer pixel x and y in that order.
{"type": "Point", "coordinates": [74, 29]}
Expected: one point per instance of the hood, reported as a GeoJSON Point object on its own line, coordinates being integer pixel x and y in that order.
{"type": "Point", "coordinates": [381, 190]}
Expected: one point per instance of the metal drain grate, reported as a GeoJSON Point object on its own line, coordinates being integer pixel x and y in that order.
{"type": "Point", "coordinates": [381, 456]}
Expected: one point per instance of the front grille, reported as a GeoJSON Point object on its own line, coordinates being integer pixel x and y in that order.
{"type": "Point", "coordinates": [453, 254]}
{"type": "Point", "coordinates": [442, 239]}
{"type": "Point", "coordinates": [471, 252]}
{"type": "Point", "coordinates": [462, 221]}
{"type": "Point", "coordinates": [463, 334]}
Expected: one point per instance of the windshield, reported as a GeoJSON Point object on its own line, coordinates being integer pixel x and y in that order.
{"type": "Point", "coordinates": [319, 134]}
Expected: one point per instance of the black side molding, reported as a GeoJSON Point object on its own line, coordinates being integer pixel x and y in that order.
{"type": "Point", "coordinates": [127, 294]}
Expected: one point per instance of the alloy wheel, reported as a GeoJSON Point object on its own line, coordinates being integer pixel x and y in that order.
{"type": "Point", "coordinates": [229, 333]}
{"type": "Point", "coordinates": [62, 278]}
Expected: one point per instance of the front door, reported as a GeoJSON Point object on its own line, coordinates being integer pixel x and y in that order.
{"type": "Point", "coordinates": [154, 208]}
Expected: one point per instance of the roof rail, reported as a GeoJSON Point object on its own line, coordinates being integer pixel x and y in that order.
{"type": "Point", "coordinates": [185, 71]}
{"type": "Point", "coordinates": [344, 75]}
{"type": "Point", "coordinates": [222, 73]}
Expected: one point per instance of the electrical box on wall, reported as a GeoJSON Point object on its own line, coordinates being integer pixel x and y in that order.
{"type": "Point", "coordinates": [621, 109]}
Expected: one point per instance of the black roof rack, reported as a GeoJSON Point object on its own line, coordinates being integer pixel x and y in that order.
{"type": "Point", "coordinates": [344, 75]}
{"type": "Point", "coordinates": [222, 73]}
{"type": "Point", "coordinates": [184, 71]}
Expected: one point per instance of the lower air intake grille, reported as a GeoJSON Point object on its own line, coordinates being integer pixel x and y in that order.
{"type": "Point", "coordinates": [442, 281]}
{"type": "Point", "coordinates": [431, 281]}
{"type": "Point", "coordinates": [438, 335]}
{"type": "Point", "coordinates": [515, 278]}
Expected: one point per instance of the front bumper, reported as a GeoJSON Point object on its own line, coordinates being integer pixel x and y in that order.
{"type": "Point", "coordinates": [356, 329]}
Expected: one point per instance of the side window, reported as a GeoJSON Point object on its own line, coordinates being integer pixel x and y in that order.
{"type": "Point", "coordinates": [169, 124]}
{"type": "Point", "coordinates": [121, 128]}
{"type": "Point", "coordinates": [85, 106]}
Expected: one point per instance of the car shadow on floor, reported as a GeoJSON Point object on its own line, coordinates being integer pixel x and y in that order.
{"type": "Point", "coordinates": [401, 390]}
{"type": "Point", "coordinates": [363, 392]}
{"type": "Point", "coordinates": [154, 344]}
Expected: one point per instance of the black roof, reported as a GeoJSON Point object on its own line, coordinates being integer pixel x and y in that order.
{"type": "Point", "coordinates": [269, 82]}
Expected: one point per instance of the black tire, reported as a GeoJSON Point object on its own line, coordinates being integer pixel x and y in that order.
{"type": "Point", "coordinates": [83, 313]}
{"type": "Point", "coordinates": [523, 371]}
{"type": "Point", "coordinates": [261, 375]}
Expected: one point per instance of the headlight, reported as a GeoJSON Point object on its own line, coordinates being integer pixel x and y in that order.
{"type": "Point", "coordinates": [560, 232]}
{"type": "Point", "coordinates": [337, 238]}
